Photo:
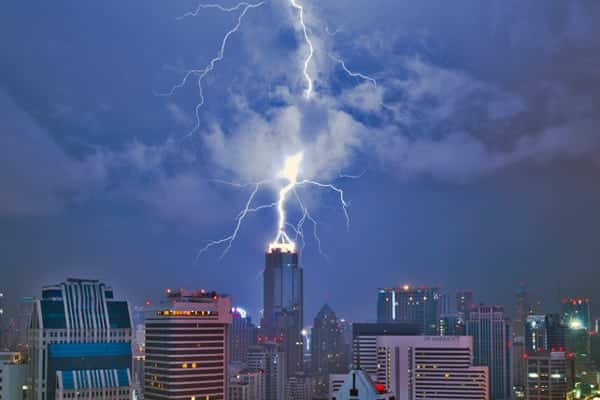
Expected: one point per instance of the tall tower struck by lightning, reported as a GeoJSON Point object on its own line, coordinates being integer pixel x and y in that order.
{"type": "Point", "coordinates": [284, 301]}
{"type": "Point", "coordinates": [283, 283]}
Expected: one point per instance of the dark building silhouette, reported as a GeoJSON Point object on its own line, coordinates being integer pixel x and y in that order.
{"type": "Point", "coordinates": [242, 334]}
{"type": "Point", "coordinates": [327, 348]}
{"type": "Point", "coordinates": [421, 305]}
{"type": "Point", "coordinates": [544, 333]}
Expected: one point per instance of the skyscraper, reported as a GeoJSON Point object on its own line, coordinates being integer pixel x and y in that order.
{"type": "Point", "coordinates": [186, 347]}
{"type": "Point", "coordinates": [544, 333]}
{"type": "Point", "coordinates": [327, 348]}
{"type": "Point", "coordinates": [522, 310]}
{"type": "Point", "coordinates": [464, 303]}
{"type": "Point", "coordinates": [491, 342]}
{"type": "Point", "coordinates": [243, 333]}
{"type": "Point", "coordinates": [80, 343]}
{"type": "Point", "coordinates": [420, 305]}
{"type": "Point", "coordinates": [267, 358]}
{"type": "Point", "coordinates": [283, 300]}
{"type": "Point", "coordinates": [3, 345]}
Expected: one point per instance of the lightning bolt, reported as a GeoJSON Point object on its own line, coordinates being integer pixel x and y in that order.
{"type": "Point", "coordinates": [309, 82]}
{"type": "Point", "coordinates": [352, 73]}
{"type": "Point", "coordinates": [201, 73]}
{"type": "Point", "coordinates": [289, 173]}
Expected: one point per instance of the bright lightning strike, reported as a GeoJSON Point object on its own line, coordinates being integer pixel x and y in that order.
{"type": "Point", "coordinates": [290, 173]}
{"type": "Point", "coordinates": [311, 50]}
{"type": "Point", "coordinates": [201, 73]}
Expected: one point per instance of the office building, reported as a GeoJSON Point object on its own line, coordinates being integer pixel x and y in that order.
{"type": "Point", "coordinates": [283, 301]}
{"type": "Point", "coordinates": [464, 303]}
{"type": "Point", "coordinates": [423, 305]}
{"type": "Point", "coordinates": [364, 342]}
{"type": "Point", "coordinates": [430, 367]}
{"type": "Point", "coordinates": [271, 361]}
{"type": "Point", "coordinates": [491, 344]}
{"type": "Point", "coordinates": [452, 325]}
{"type": "Point", "coordinates": [544, 333]}
{"type": "Point", "coordinates": [186, 347]}
{"type": "Point", "coordinates": [80, 343]}
{"type": "Point", "coordinates": [549, 375]}
{"type": "Point", "coordinates": [327, 350]}
{"type": "Point", "coordinates": [13, 376]}
{"type": "Point", "coordinates": [246, 385]}
{"type": "Point", "coordinates": [522, 310]}
{"type": "Point", "coordinates": [243, 334]}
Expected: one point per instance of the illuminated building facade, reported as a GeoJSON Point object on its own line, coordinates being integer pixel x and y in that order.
{"type": "Point", "coordinates": [186, 347]}
{"type": "Point", "coordinates": [549, 375]}
{"type": "Point", "coordinates": [423, 305]}
{"type": "Point", "coordinates": [246, 385]}
{"type": "Point", "coordinates": [80, 343]}
{"type": "Point", "coordinates": [491, 344]}
{"type": "Point", "coordinates": [544, 333]}
{"type": "Point", "coordinates": [452, 325]}
{"type": "Point", "coordinates": [283, 301]}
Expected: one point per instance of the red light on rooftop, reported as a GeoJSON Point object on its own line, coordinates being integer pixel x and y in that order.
{"type": "Point", "coordinates": [525, 356]}
{"type": "Point", "coordinates": [147, 302]}
{"type": "Point", "coordinates": [379, 388]}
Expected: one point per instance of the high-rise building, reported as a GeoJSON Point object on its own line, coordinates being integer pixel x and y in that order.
{"type": "Point", "coordinates": [464, 303]}
{"type": "Point", "coordinates": [576, 317]}
{"type": "Point", "coordinates": [186, 347]}
{"type": "Point", "coordinates": [243, 333]}
{"type": "Point", "coordinates": [3, 345]}
{"type": "Point", "coordinates": [544, 333]}
{"type": "Point", "coordinates": [13, 376]}
{"type": "Point", "coordinates": [428, 367]}
{"type": "Point", "coordinates": [549, 375]}
{"type": "Point", "coordinates": [268, 358]}
{"type": "Point", "coordinates": [452, 325]}
{"type": "Point", "coordinates": [246, 385]}
{"type": "Point", "coordinates": [522, 310]}
{"type": "Point", "coordinates": [364, 342]}
{"type": "Point", "coordinates": [422, 305]}
{"type": "Point", "coordinates": [327, 350]}
{"type": "Point", "coordinates": [283, 301]}
{"type": "Point", "coordinates": [80, 339]}
{"type": "Point", "coordinates": [491, 342]}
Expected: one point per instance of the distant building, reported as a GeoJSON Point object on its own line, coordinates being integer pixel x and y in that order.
{"type": "Point", "coordinates": [3, 345]}
{"type": "Point", "coordinates": [464, 303]}
{"type": "Point", "coordinates": [301, 387]}
{"type": "Point", "coordinates": [549, 375]}
{"type": "Point", "coordinates": [522, 310]}
{"type": "Point", "coordinates": [186, 347]}
{"type": "Point", "coordinates": [246, 385]}
{"type": "Point", "coordinates": [583, 391]}
{"type": "Point", "coordinates": [576, 316]}
{"type": "Point", "coordinates": [452, 325]}
{"type": "Point", "coordinates": [364, 342]}
{"type": "Point", "coordinates": [544, 333]}
{"type": "Point", "coordinates": [327, 350]}
{"type": "Point", "coordinates": [284, 302]}
{"type": "Point", "coordinates": [13, 376]}
{"type": "Point", "coordinates": [271, 361]}
{"type": "Point", "coordinates": [80, 343]}
{"type": "Point", "coordinates": [491, 343]}
{"type": "Point", "coordinates": [243, 334]}
{"type": "Point", "coordinates": [422, 305]}
{"type": "Point", "coordinates": [357, 385]}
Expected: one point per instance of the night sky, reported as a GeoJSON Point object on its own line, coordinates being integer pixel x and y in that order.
{"type": "Point", "coordinates": [480, 146]}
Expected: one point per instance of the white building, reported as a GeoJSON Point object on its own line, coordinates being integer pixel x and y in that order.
{"type": "Point", "coordinates": [429, 367]}
{"type": "Point", "coordinates": [13, 377]}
